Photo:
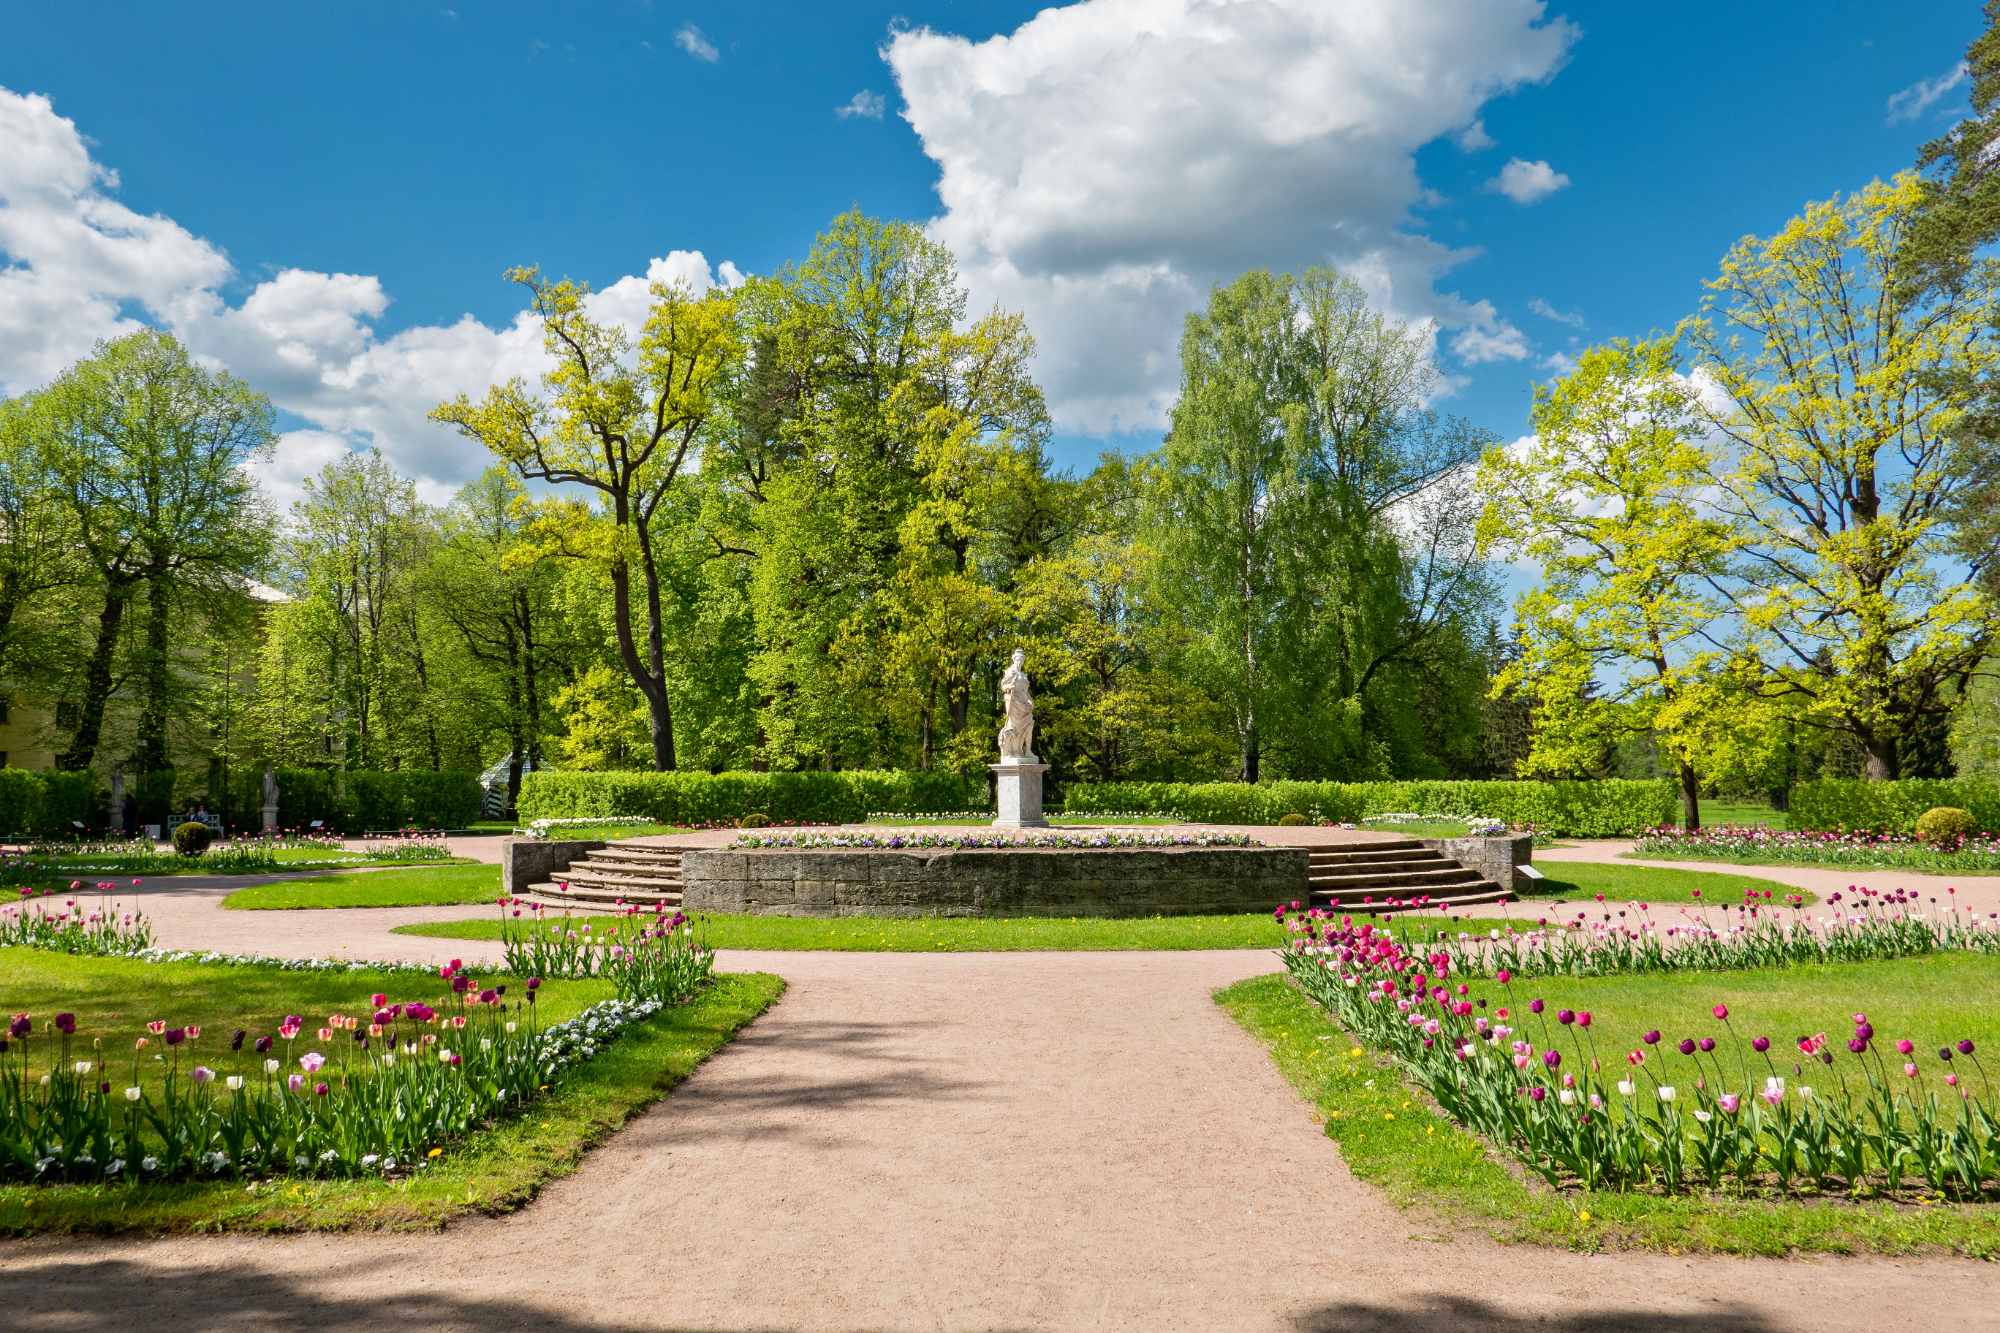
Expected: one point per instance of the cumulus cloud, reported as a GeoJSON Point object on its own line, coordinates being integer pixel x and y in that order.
{"type": "Point", "coordinates": [863, 103]}
{"type": "Point", "coordinates": [1922, 95]}
{"type": "Point", "coordinates": [1487, 337]}
{"type": "Point", "coordinates": [1561, 363]}
{"type": "Point", "coordinates": [1105, 162]}
{"type": "Point", "coordinates": [1474, 138]}
{"type": "Point", "coordinates": [1573, 318]}
{"type": "Point", "coordinates": [76, 266]}
{"type": "Point", "coordinates": [690, 40]}
{"type": "Point", "coordinates": [1525, 182]}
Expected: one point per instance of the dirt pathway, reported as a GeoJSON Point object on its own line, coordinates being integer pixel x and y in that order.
{"type": "Point", "coordinates": [965, 1141]}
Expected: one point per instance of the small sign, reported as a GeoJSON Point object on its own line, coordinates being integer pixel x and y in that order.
{"type": "Point", "coordinates": [1529, 871]}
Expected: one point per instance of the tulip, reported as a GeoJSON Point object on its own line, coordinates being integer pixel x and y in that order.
{"type": "Point", "coordinates": [1951, 1080]}
{"type": "Point", "coordinates": [1653, 1038]}
{"type": "Point", "coordinates": [1965, 1047]}
{"type": "Point", "coordinates": [1687, 1046]}
{"type": "Point", "coordinates": [1905, 1047]}
{"type": "Point", "coordinates": [273, 1066]}
{"type": "Point", "coordinates": [203, 1074]}
{"type": "Point", "coordinates": [295, 1081]}
{"type": "Point", "coordinates": [1728, 1101]}
{"type": "Point", "coordinates": [321, 1089]}
{"type": "Point", "coordinates": [1583, 1019]}
{"type": "Point", "coordinates": [1503, 976]}
{"type": "Point", "coordinates": [1552, 1058]}
{"type": "Point", "coordinates": [1910, 1070]}
{"type": "Point", "coordinates": [1760, 1044]}
{"type": "Point", "coordinates": [235, 1082]}
{"type": "Point", "coordinates": [378, 1000]}
{"type": "Point", "coordinates": [1535, 1006]}
{"type": "Point", "coordinates": [1625, 1087]}
{"type": "Point", "coordinates": [1666, 1092]}
{"type": "Point", "coordinates": [1707, 1044]}
{"type": "Point", "coordinates": [1565, 1016]}
{"type": "Point", "coordinates": [131, 1094]}
{"type": "Point", "coordinates": [1721, 1011]}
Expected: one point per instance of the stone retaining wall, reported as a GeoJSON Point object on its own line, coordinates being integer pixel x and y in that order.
{"type": "Point", "coordinates": [1493, 858]}
{"type": "Point", "coordinates": [526, 861]}
{"type": "Point", "coordinates": [1177, 881]}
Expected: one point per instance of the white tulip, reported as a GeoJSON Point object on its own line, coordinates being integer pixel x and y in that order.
{"type": "Point", "coordinates": [235, 1082]}
{"type": "Point", "coordinates": [131, 1094]}
{"type": "Point", "coordinates": [83, 1066]}
{"type": "Point", "coordinates": [1702, 1116]}
{"type": "Point", "coordinates": [1625, 1088]}
{"type": "Point", "coordinates": [1667, 1093]}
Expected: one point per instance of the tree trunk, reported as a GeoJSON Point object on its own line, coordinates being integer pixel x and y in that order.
{"type": "Point", "coordinates": [97, 677]}
{"type": "Point", "coordinates": [655, 692]}
{"type": "Point", "coordinates": [529, 686]}
{"type": "Point", "coordinates": [152, 747]}
{"type": "Point", "coordinates": [1690, 798]}
{"type": "Point", "coordinates": [1882, 763]}
{"type": "Point", "coordinates": [1250, 749]}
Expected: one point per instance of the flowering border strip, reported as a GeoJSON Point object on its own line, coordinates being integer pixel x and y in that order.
{"type": "Point", "coordinates": [1889, 851]}
{"type": "Point", "coordinates": [1054, 839]}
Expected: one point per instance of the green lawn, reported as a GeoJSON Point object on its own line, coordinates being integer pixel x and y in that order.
{"type": "Point", "coordinates": [932, 934]}
{"type": "Point", "coordinates": [1716, 812]}
{"type": "Point", "coordinates": [495, 1170]}
{"type": "Point", "coordinates": [1581, 881]}
{"type": "Point", "coordinates": [1394, 1138]}
{"type": "Point", "coordinates": [417, 886]}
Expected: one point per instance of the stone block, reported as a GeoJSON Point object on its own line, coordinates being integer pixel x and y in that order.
{"type": "Point", "coordinates": [529, 861]}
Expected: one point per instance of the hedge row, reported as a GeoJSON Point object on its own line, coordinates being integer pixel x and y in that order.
{"type": "Point", "coordinates": [1842, 805]}
{"type": "Point", "coordinates": [1613, 808]}
{"type": "Point", "coordinates": [396, 798]}
{"type": "Point", "coordinates": [700, 798]}
{"type": "Point", "coordinates": [45, 802]}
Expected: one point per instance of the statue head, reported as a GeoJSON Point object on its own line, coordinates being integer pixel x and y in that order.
{"type": "Point", "coordinates": [1020, 658]}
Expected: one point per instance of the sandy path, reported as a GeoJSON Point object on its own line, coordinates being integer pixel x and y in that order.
{"type": "Point", "coordinates": [965, 1141]}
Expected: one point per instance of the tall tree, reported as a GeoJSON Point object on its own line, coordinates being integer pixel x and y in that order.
{"type": "Point", "coordinates": [624, 422]}
{"type": "Point", "coordinates": [1845, 398]}
{"type": "Point", "coordinates": [149, 453]}
{"type": "Point", "coordinates": [1606, 496]}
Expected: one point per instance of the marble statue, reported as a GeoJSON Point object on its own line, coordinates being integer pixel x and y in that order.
{"type": "Point", "coordinates": [1017, 737]}
{"type": "Point", "coordinates": [270, 787]}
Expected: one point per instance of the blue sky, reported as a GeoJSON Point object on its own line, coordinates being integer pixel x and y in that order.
{"type": "Point", "coordinates": [1117, 161]}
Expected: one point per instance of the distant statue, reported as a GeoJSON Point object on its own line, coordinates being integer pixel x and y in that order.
{"type": "Point", "coordinates": [270, 787]}
{"type": "Point", "coordinates": [1017, 737]}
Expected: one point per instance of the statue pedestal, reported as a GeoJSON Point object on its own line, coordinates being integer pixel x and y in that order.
{"type": "Point", "coordinates": [270, 819]}
{"type": "Point", "coordinates": [1020, 794]}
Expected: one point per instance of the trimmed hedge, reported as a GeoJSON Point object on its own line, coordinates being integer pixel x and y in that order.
{"type": "Point", "coordinates": [1854, 805]}
{"type": "Point", "coordinates": [397, 798]}
{"type": "Point", "coordinates": [702, 798]}
{"type": "Point", "coordinates": [1607, 809]}
{"type": "Point", "coordinates": [44, 802]}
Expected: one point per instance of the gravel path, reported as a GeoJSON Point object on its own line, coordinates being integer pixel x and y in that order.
{"type": "Point", "coordinates": [957, 1141]}
{"type": "Point", "coordinates": [965, 1141]}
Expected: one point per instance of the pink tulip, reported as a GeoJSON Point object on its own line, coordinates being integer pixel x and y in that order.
{"type": "Point", "coordinates": [1728, 1101]}
{"type": "Point", "coordinates": [295, 1082]}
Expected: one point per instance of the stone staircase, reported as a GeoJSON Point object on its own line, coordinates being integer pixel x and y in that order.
{"type": "Point", "coordinates": [632, 873]}
{"type": "Point", "coordinates": [1398, 876]}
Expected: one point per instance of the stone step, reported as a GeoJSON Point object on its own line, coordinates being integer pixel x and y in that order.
{"type": "Point", "coordinates": [597, 878]}
{"type": "Point", "coordinates": [1366, 848]}
{"type": "Point", "coordinates": [638, 855]}
{"type": "Point", "coordinates": [597, 861]}
{"type": "Point", "coordinates": [1412, 865]}
{"type": "Point", "coordinates": [1449, 873]}
{"type": "Point", "coordinates": [1371, 855]}
{"type": "Point", "coordinates": [602, 896]}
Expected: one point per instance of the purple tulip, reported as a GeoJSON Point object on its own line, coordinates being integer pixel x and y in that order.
{"type": "Point", "coordinates": [1687, 1046]}
{"type": "Point", "coordinates": [1653, 1038]}
{"type": "Point", "coordinates": [1553, 1059]}
{"type": "Point", "coordinates": [1965, 1047]}
{"type": "Point", "coordinates": [1565, 1016]}
{"type": "Point", "coordinates": [1865, 1031]}
{"type": "Point", "coordinates": [320, 1089]}
{"type": "Point", "coordinates": [175, 1036]}
{"type": "Point", "coordinates": [1944, 1053]}
{"type": "Point", "coordinates": [262, 1045]}
{"type": "Point", "coordinates": [66, 1024]}
{"type": "Point", "coordinates": [1707, 1044]}
{"type": "Point", "coordinates": [1760, 1044]}
{"type": "Point", "coordinates": [21, 1026]}
{"type": "Point", "coordinates": [1535, 1006]}
{"type": "Point", "coordinates": [236, 1042]}
{"type": "Point", "coordinates": [1858, 1045]}
{"type": "Point", "coordinates": [1538, 1093]}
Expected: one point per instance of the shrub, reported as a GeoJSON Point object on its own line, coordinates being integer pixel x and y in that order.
{"type": "Point", "coordinates": [1607, 809]}
{"type": "Point", "coordinates": [1291, 821]}
{"type": "Point", "coordinates": [1849, 805]}
{"type": "Point", "coordinates": [756, 819]}
{"type": "Point", "coordinates": [192, 838]}
{"type": "Point", "coordinates": [21, 795]}
{"type": "Point", "coordinates": [398, 798]}
{"type": "Point", "coordinates": [1945, 826]}
{"type": "Point", "coordinates": [706, 798]}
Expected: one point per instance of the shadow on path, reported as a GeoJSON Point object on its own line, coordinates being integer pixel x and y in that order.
{"type": "Point", "coordinates": [1458, 1314]}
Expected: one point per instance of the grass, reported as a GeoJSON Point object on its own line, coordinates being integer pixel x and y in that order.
{"type": "Point", "coordinates": [602, 832]}
{"type": "Point", "coordinates": [1582, 881]}
{"type": "Point", "coordinates": [1716, 812]}
{"type": "Point", "coordinates": [416, 886]}
{"type": "Point", "coordinates": [934, 934]}
{"type": "Point", "coordinates": [1394, 1138]}
{"type": "Point", "coordinates": [494, 1170]}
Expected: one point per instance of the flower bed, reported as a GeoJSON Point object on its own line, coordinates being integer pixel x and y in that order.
{"type": "Point", "coordinates": [1865, 926]}
{"type": "Point", "coordinates": [1754, 842]}
{"type": "Point", "coordinates": [1533, 1082]}
{"type": "Point", "coordinates": [1035, 838]}
{"type": "Point", "coordinates": [37, 923]}
{"type": "Point", "coordinates": [642, 951]}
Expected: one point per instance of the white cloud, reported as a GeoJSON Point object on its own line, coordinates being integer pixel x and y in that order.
{"type": "Point", "coordinates": [1487, 337]}
{"type": "Point", "coordinates": [1107, 161]}
{"type": "Point", "coordinates": [1474, 138]}
{"type": "Point", "coordinates": [863, 103]}
{"type": "Point", "coordinates": [690, 40]}
{"type": "Point", "coordinates": [1561, 363]}
{"type": "Point", "coordinates": [77, 266]}
{"type": "Point", "coordinates": [1573, 318]}
{"type": "Point", "coordinates": [1922, 95]}
{"type": "Point", "coordinates": [1525, 182]}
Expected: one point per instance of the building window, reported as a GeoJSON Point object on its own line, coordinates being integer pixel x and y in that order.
{"type": "Point", "coordinates": [3, 759]}
{"type": "Point", "coordinates": [4, 718]}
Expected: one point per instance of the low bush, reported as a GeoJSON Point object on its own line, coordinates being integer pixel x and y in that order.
{"type": "Point", "coordinates": [1946, 826]}
{"type": "Point", "coordinates": [49, 803]}
{"type": "Point", "coordinates": [704, 798]}
{"type": "Point", "coordinates": [1850, 805]}
{"type": "Point", "coordinates": [756, 819]}
{"type": "Point", "coordinates": [192, 838]}
{"type": "Point", "coordinates": [1291, 821]}
{"type": "Point", "coordinates": [1606, 809]}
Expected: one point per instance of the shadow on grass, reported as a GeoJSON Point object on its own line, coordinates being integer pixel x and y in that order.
{"type": "Point", "coordinates": [1458, 1314]}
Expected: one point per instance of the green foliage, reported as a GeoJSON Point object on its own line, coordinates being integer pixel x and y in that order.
{"type": "Point", "coordinates": [756, 819]}
{"type": "Point", "coordinates": [1844, 805]}
{"type": "Point", "coordinates": [703, 798]}
{"type": "Point", "coordinates": [192, 838]}
{"type": "Point", "coordinates": [1291, 820]}
{"type": "Point", "coordinates": [21, 795]}
{"type": "Point", "coordinates": [400, 798]}
{"type": "Point", "coordinates": [1611, 808]}
{"type": "Point", "coordinates": [1945, 825]}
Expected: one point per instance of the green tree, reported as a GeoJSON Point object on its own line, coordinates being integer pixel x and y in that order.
{"type": "Point", "coordinates": [1846, 396]}
{"type": "Point", "coordinates": [625, 422]}
{"type": "Point", "coordinates": [1606, 496]}
{"type": "Point", "coordinates": [148, 453]}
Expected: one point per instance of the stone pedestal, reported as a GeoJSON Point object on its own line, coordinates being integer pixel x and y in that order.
{"type": "Point", "coordinates": [1020, 794]}
{"type": "Point", "coordinates": [270, 819]}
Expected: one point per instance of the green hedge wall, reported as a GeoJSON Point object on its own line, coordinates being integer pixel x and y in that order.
{"type": "Point", "coordinates": [45, 802]}
{"type": "Point", "coordinates": [700, 798]}
{"type": "Point", "coordinates": [1607, 809]}
{"type": "Point", "coordinates": [398, 798]}
{"type": "Point", "coordinates": [1841, 805]}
